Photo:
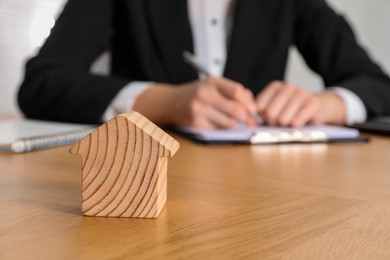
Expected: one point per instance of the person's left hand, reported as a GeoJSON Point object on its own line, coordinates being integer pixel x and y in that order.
{"type": "Point", "coordinates": [285, 104]}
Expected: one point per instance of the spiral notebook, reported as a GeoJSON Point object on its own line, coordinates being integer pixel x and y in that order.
{"type": "Point", "coordinates": [23, 135]}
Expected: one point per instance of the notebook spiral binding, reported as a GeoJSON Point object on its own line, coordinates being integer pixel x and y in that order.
{"type": "Point", "coordinates": [30, 144]}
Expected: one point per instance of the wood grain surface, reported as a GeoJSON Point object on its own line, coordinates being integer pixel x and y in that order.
{"type": "Point", "coordinates": [312, 201]}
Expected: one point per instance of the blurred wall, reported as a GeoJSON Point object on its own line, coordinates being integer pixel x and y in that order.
{"type": "Point", "coordinates": [370, 21]}
{"type": "Point", "coordinates": [24, 24]}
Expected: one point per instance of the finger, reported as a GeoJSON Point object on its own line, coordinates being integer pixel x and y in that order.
{"type": "Point", "coordinates": [251, 102]}
{"type": "Point", "coordinates": [264, 98]}
{"type": "Point", "coordinates": [234, 109]}
{"type": "Point", "coordinates": [294, 105]}
{"type": "Point", "coordinates": [202, 123]}
{"type": "Point", "coordinates": [230, 107]}
{"type": "Point", "coordinates": [280, 101]}
{"type": "Point", "coordinates": [235, 91]}
{"type": "Point", "coordinates": [220, 120]}
{"type": "Point", "coordinates": [209, 96]}
{"type": "Point", "coordinates": [307, 113]}
{"type": "Point", "coordinates": [210, 105]}
{"type": "Point", "coordinates": [205, 116]}
{"type": "Point", "coordinates": [274, 99]}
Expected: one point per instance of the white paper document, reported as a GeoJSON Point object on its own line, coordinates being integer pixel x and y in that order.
{"type": "Point", "coordinates": [271, 134]}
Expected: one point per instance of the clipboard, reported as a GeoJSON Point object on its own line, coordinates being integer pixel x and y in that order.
{"type": "Point", "coordinates": [273, 135]}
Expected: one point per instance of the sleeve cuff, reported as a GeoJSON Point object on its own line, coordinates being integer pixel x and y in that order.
{"type": "Point", "coordinates": [356, 111]}
{"type": "Point", "coordinates": [125, 99]}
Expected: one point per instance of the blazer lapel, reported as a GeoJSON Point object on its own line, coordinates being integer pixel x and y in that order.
{"type": "Point", "coordinates": [170, 24]}
{"type": "Point", "coordinates": [246, 39]}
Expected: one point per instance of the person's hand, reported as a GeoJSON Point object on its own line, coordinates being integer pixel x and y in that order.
{"type": "Point", "coordinates": [285, 104]}
{"type": "Point", "coordinates": [207, 104]}
{"type": "Point", "coordinates": [214, 103]}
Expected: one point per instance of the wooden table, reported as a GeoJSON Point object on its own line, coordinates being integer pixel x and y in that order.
{"type": "Point", "coordinates": [264, 202]}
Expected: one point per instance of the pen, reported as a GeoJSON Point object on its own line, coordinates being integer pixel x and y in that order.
{"type": "Point", "coordinates": [194, 63]}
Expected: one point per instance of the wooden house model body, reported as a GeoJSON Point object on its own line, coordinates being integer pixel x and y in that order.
{"type": "Point", "coordinates": [124, 168]}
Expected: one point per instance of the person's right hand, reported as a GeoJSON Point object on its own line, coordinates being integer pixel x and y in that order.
{"type": "Point", "coordinates": [207, 104]}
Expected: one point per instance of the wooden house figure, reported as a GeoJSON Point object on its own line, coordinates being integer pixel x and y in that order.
{"type": "Point", "coordinates": [124, 168]}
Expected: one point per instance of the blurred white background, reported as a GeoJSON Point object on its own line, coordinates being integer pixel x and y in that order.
{"type": "Point", "coordinates": [24, 24]}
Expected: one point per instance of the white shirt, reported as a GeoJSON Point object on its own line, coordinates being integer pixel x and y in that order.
{"type": "Point", "coordinates": [211, 22]}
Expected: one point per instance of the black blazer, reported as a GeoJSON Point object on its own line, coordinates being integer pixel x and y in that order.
{"type": "Point", "coordinates": [147, 37]}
